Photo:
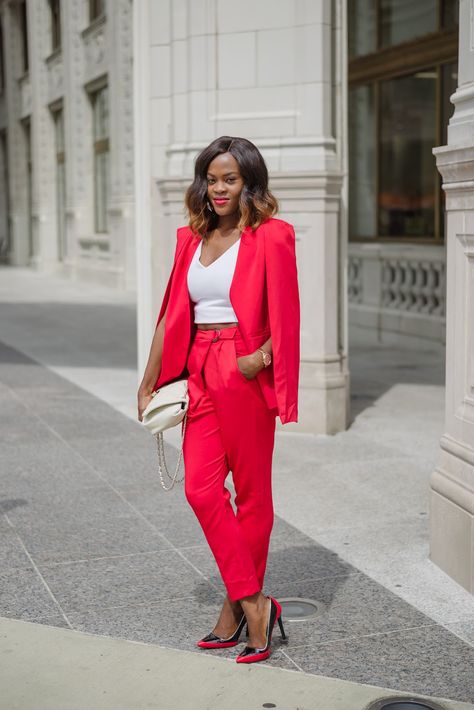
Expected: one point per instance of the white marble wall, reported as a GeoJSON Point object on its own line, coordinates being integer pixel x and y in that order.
{"type": "Point", "coordinates": [452, 483]}
{"type": "Point", "coordinates": [274, 73]}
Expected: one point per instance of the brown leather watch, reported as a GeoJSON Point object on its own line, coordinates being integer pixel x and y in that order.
{"type": "Point", "coordinates": [267, 358]}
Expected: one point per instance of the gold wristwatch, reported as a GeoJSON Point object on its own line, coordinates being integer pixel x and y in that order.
{"type": "Point", "coordinates": [267, 358]}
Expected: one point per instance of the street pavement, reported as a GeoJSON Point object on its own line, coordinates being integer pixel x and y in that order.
{"type": "Point", "coordinates": [98, 562]}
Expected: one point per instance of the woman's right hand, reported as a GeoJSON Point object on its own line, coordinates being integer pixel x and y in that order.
{"type": "Point", "coordinates": [144, 397]}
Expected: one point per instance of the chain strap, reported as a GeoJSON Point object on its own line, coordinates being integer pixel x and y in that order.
{"type": "Point", "coordinates": [162, 460]}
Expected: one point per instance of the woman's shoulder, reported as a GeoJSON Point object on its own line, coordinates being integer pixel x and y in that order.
{"type": "Point", "coordinates": [184, 232]}
{"type": "Point", "coordinates": [278, 229]}
{"type": "Point", "coordinates": [185, 235]}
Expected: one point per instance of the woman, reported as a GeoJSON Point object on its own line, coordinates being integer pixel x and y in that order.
{"type": "Point", "coordinates": [229, 322]}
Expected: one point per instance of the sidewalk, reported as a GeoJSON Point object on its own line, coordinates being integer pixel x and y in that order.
{"type": "Point", "coordinates": [91, 543]}
{"type": "Point", "coordinates": [76, 671]}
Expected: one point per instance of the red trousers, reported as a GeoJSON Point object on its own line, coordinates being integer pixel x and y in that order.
{"type": "Point", "coordinates": [229, 428]}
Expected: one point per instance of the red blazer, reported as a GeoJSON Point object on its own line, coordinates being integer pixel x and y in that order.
{"type": "Point", "coordinates": [265, 297]}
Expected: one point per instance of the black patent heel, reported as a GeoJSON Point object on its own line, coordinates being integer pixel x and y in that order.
{"type": "Point", "coordinates": [284, 637]}
{"type": "Point", "coordinates": [253, 655]}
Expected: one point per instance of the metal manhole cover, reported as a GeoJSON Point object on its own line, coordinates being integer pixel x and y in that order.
{"type": "Point", "coordinates": [298, 609]}
{"type": "Point", "coordinates": [404, 703]}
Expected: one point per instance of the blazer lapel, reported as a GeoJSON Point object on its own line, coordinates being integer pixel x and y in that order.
{"type": "Point", "coordinates": [245, 256]}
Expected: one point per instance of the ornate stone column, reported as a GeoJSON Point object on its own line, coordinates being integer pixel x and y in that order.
{"type": "Point", "coordinates": [18, 106]}
{"type": "Point", "coordinates": [452, 483]}
{"type": "Point", "coordinates": [44, 228]}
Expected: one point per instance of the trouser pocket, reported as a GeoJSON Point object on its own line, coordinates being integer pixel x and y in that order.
{"type": "Point", "coordinates": [238, 347]}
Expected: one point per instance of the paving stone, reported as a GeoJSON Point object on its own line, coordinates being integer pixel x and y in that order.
{"type": "Point", "coordinates": [429, 660]}
{"type": "Point", "coordinates": [63, 540]}
{"type": "Point", "coordinates": [24, 595]}
{"type": "Point", "coordinates": [132, 579]}
{"type": "Point", "coordinates": [353, 605]}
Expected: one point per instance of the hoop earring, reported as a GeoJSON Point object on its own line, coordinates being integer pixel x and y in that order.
{"type": "Point", "coordinates": [208, 205]}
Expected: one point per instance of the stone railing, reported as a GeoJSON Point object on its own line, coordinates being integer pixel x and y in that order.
{"type": "Point", "coordinates": [398, 288]}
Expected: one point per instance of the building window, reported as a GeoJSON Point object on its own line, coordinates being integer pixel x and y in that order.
{"type": "Point", "coordinates": [23, 21]}
{"type": "Point", "coordinates": [58, 117]}
{"type": "Point", "coordinates": [2, 65]}
{"type": "Point", "coordinates": [100, 108]}
{"type": "Point", "coordinates": [28, 185]}
{"type": "Point", "coordinates": [96, 9]}
{"type": "Point", "coordinates": [5, 245]}
{"type": "Point", "coordinates": [402, 71]}
{"type": "Point", "coordinates": [55, 10]}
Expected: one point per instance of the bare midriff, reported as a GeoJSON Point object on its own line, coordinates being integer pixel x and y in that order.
{"type": "Point", "coordinates": [215, 326]}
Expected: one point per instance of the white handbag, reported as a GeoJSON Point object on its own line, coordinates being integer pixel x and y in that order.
{"type": "Point", "coordinates": [167, 408]}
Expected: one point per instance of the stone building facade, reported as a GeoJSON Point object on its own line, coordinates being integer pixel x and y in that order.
{"type": "Point", "coordinates": [66, 117]}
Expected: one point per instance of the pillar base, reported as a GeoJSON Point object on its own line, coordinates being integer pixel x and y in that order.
{"type": "Point", "coordinates": [452, 513]}
{"type": "Point", "coordinates": [323, 401]}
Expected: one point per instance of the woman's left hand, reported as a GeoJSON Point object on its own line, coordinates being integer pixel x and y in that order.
{"type": "Point", "coordinates": [250, 365]}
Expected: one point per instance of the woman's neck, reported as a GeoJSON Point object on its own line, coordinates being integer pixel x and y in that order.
{"type": "Point", "coordinates": [227, 223]}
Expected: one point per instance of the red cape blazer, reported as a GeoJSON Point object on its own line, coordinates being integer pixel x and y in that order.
{"type": "Point", "coordinates": [265, 297]}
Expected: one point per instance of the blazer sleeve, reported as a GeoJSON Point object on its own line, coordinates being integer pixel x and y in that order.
{"type": "Point", "coordinates": [284, 315]}
{"type": "Point", "coordinates": [180, 239]}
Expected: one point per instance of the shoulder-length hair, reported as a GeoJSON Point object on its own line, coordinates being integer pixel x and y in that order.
{"type": "Point", "coordinates": [256, 201]}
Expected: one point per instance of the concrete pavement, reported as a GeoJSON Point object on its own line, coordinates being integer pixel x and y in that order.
{"type": "Point", "coordinates": [91, 543]}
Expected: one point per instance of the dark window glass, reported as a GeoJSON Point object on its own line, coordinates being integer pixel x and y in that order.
{"type": "Point", "coordinates": [362, 27]}
{"type": "Point", "coordinates": [58, 118]}
{"type": "Point", "coordinates": [2, 66]}
{"type": "Point", "coordinates": [100, 104]}
{"type": "Point", "coordinates": [407, 166]}
{"type": "Point", "coordinates": [402, 20]}
{"type": "Point", "coordinates": [96, 9]}
{"type": "Point", "coordinates": [24, 34]}
{"type": "Point", "coordinates": [450, 13]}
{"type": "Point", "coordinates": [55, 7]}
{"type": "Point", "coordinates": [362, 162]}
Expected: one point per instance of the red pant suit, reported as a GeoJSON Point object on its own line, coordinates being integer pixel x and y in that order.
{"type": "Point", "coordinates": [231, 420]}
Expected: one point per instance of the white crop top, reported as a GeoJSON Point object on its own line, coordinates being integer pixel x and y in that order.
{"type": "Point", "coordinates": [209, 286]}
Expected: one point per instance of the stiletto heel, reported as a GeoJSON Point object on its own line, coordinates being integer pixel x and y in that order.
{"type": "Point", "coordinates": [213, 641]}
{"type": "Point", "coordinates": [282, 630]}
{"type": "Point", "coordinates": [253, 655]}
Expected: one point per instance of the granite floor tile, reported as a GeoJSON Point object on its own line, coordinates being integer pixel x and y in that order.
{"type": "Point", "coordinates": [343, 447]}
{"type": "Point", "coordinates": [303, 557]}
{"type": "Point", "coordinates": [12, 553]}
{"type": "Point", "coordinates": [80, 507]}
{"type": "Point", "coordinates": [112, 581]}
{"type": "Point", "coordinates": [352, 606]}
{"type": "Point", "coordinates": [23, 595]}
{"type": "Point", "coordinates": [353, 486]}
{"type": "Point", "coordinates": [79, 418]}
{"type": "Point", "coordinates": [122, 461]}
{"type": "Point", "coordinates": [428, 660]}
{"type": "Point", "coordinates": [169, 513]}
{"type": "Point", "coordinates": [464, 629]}
{"type": "Point", "coordinates": [395, 540]}
{"type": "Point", "coordinates": [52, 542]}
{"type": "Point", "coordinates": [45, 472]}
{"type": "Point", "coordinates": [176, 623]}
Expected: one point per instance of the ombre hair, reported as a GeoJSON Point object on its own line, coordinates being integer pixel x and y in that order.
{"type": "Point", "coordinates": [256, 201]}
